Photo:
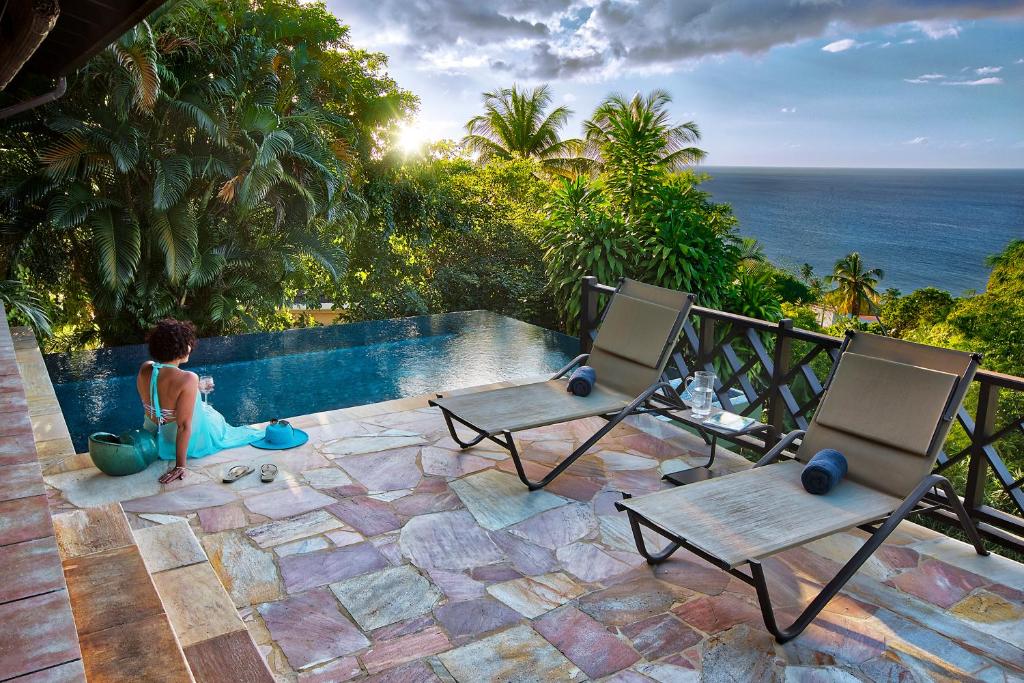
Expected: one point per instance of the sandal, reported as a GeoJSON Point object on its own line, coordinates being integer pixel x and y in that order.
{"type": "Point", "coordinates": [267, 473]}
{"type": "Point", "coordinates": [235, 473]}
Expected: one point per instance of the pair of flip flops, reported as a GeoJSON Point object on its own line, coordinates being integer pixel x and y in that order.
{"type": "Point", "coordinates": [267, 473]}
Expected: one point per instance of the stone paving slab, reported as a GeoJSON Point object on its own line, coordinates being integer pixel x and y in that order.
{"type": "Point", "coordinates": [385, 597]}
{"type": "Point", "coordinates": [516, 655]}
{"type": "Point", "coordinates": [498, 500]}
{"type": "Point", "coordinates": [439, 565]}
{"type": "Point", "coordinates": [292, 528]}
{"type": "Point", "coordinates": [169, 546]}
{"type": "Point", "coordinates": [287, 502]}
{"type": "Point", "coordinates": [311, 629]}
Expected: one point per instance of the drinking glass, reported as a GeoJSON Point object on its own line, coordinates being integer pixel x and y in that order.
{"type": "Point", "coordinates": [701, 388]}
{"type": "Point", "coordinates": [206, 387]}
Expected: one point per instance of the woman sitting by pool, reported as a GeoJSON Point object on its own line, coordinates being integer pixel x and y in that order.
{"type": "Point", "coordinates": [184, 425]}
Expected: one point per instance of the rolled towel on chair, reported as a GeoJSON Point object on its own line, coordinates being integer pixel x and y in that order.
{"type": "Point", "coordinates": [581, 381]}
{"type": "Point", "coordinates": [822, 472]}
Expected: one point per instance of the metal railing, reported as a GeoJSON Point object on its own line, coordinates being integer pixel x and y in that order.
{"type": "Point", "coordinates": [780, 369]}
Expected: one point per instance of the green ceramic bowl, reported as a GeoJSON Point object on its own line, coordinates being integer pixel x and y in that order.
{"type": "Point", "coordinates": [118, 456]}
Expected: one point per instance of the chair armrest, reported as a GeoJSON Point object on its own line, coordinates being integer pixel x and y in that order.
{"type": "Point", "coordinates": [776, 451]}
{"type": "Point", "coordinates": [573, 363]}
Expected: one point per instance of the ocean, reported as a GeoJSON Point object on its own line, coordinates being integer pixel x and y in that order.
{"type": "Point", "coordinates": [922, 227]}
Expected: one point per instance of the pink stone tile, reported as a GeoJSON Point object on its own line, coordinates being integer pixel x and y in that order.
{"type": "Point", "coordinates": [20, 481]}
{"type": "Point", "coordinates": [442, 462]}
{"type": "Point", "coordinates": [897, 556]}
{"type": "Point", "coordinates": [339, 670]}
{"type": "Point", "coordinates": [342, 538]}
{"type": "Point", "coordinates": [647, 444]}
{"type": "Point", "coordinates": [387, 471]}
{"type": "Point", "coordinates": [456, 585]}
{"type": "Point", "coordinates": [222, 518]}
{"type": "Point", "coordinates": [392, 653]}
{"type": "Point", "coordinates": [586, 642]}
{"type": "Point", "coordinates": [13, 402]}
{"type": "Point", "coordinates": [30, 568]}
{"type": "Point", "coordinates": [71, 672]}
{"type": "Point", "coordinates": [495, 573]}
{"type": "Point", "coordinates": [39, 632]}
{"type": "Point", "coordinates": [24, 519]}
{"type": "Point", "coordinates": [557, 527]}
{"type": "Point", "coordinates": [718, 613]}
{"type": "Point", "coordinates": [18, 448]}
{"type": "Point", "coordinates": [473, 617]}
{"type": "Point", "coordinates": [695, 575]}
{"type": "Point", "coordinates": [15, 424]}
{"type": "Point", "coordinates": [310, 570]}
{"type": "Point", "coordinates": [366, 515]}
{"type": "Point", "coordinates": [631, 601]}
{"type": "Point", "coordinates": [938, 583]}
{"type": "Point", "coordinates": [288, 502]}
{"type": "Point", "coordinates": [403, 628]}
{"type": "Point", "coordinates": [184, 499]}
{"type": "Point", "coordinates": [310, 628]}
{"type": "Point", "coordinates": [661, 636]}
{"type": "Point", "coordinates": [527, 558]}
{"type": "Point", "coordinates": [426, 503]}
{"type": "Point", "coordinates": [590, 563]}
{"type": "Point", "coordinates": [415, 672]}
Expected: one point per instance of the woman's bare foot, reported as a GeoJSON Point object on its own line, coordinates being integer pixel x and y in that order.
{"type": "Point", "coordinates": [172, 474]}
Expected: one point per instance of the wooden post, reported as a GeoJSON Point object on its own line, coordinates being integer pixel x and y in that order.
{"type": "Point", "coordinates": [588, 312]}
{"type": "Point", "coordinates": [782, 357]}
{"type": "Point", "coordinates": [984, 426]}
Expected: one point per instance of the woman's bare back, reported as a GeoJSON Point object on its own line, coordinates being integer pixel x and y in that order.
{"type": "Point", "coordinates": [171, 385]}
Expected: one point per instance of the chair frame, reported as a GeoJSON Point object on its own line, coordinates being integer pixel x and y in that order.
{"type": "Point", "coordinates": [879, 529]}
{"type": "Point", "coordinates": [639, 405]}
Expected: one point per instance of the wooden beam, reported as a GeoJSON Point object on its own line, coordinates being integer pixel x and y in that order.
{"type": "Point", "coordinates": [23, 27]}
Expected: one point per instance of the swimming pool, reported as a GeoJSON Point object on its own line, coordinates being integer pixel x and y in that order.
{"type": "Point", "coordinates": [297, 372]}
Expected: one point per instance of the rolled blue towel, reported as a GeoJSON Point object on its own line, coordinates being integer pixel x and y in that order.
{"type": "Point", "coordinates": [822, 472]}
{"type": "Point", "coordinates": [581, 381]}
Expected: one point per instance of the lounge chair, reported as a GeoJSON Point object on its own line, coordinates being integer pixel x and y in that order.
{"type": "Point", "coordinates": [888, 406]}
{"type": "Point", "coordinates": [634, 342]}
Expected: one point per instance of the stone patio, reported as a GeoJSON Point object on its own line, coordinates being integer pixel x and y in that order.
{"type": "Point", "coordinates": [383, 553]}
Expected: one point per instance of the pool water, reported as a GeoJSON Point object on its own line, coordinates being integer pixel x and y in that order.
{"type": "Point", "coordinates": [298, 372]}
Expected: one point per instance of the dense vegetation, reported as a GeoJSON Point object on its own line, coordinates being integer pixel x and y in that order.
{"type": "Point", "coordinates": [224, 159]}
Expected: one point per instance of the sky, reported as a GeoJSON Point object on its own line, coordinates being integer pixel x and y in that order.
{"type": "Point", "coordinates": [842, 83]}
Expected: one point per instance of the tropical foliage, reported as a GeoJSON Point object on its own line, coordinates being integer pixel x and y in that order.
{"type": "Point", "coordinates": [516, 123]}
{"type": "Point", "coordinates": [197, 164]}
{"type": "Point", "coordinates": [854, 285]}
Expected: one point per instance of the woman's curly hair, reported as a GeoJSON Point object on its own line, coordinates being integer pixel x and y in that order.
{"type": "Point", "coordinates": [171, 339]}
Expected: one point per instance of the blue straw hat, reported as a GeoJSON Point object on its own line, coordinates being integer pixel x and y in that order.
{"type": "Point", "coordinates": [280, 435]}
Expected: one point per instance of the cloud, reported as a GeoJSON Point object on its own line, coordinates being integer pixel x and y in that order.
{"type": "Point", "coordinates": [991, 80]}
{"type": "Point", "coordinates": [1020, 61]}
{"type": "Point", "coordinates": [920, 140]}
{"type": "Point", "coordinates": [841, 45]}
{"type": "Point", "coordinates": [566, 39]}
{"type": "Point", "coordinates": [937, 29]}
{"type": "Point", "coordinates": [788, 110]}
{"type": "Point", "coordinates": [986, 70]}
{"type": "Point", "coordinates": [925, 78]}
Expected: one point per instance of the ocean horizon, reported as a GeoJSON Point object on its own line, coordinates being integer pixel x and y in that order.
{"type": "Point", "coordinates": [923, 227]}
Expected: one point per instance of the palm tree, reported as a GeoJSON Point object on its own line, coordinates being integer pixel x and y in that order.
{"type": "Point", "coordinates": [854, 285]}
{"type": "Point", "coordinates": [516, 123]}
{"type": "Point", "coordinates": [634, 141]}
{"type": "Point", "coordinates": [807, 273]}
{"type": "Point", "coordinates": [751, 251]}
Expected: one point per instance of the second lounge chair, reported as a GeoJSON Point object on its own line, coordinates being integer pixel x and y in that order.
{"type": "Point", "coordinates": [888, 406]}
{"type": "Point", "coordinates": [634, 342]}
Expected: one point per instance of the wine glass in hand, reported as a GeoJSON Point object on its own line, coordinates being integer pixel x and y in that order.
{"type": "Point", "coordinates": [206, 387]}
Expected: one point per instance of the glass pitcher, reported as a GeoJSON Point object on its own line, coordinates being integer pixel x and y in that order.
{"type": "Point", "coordinates": [701, 388]}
